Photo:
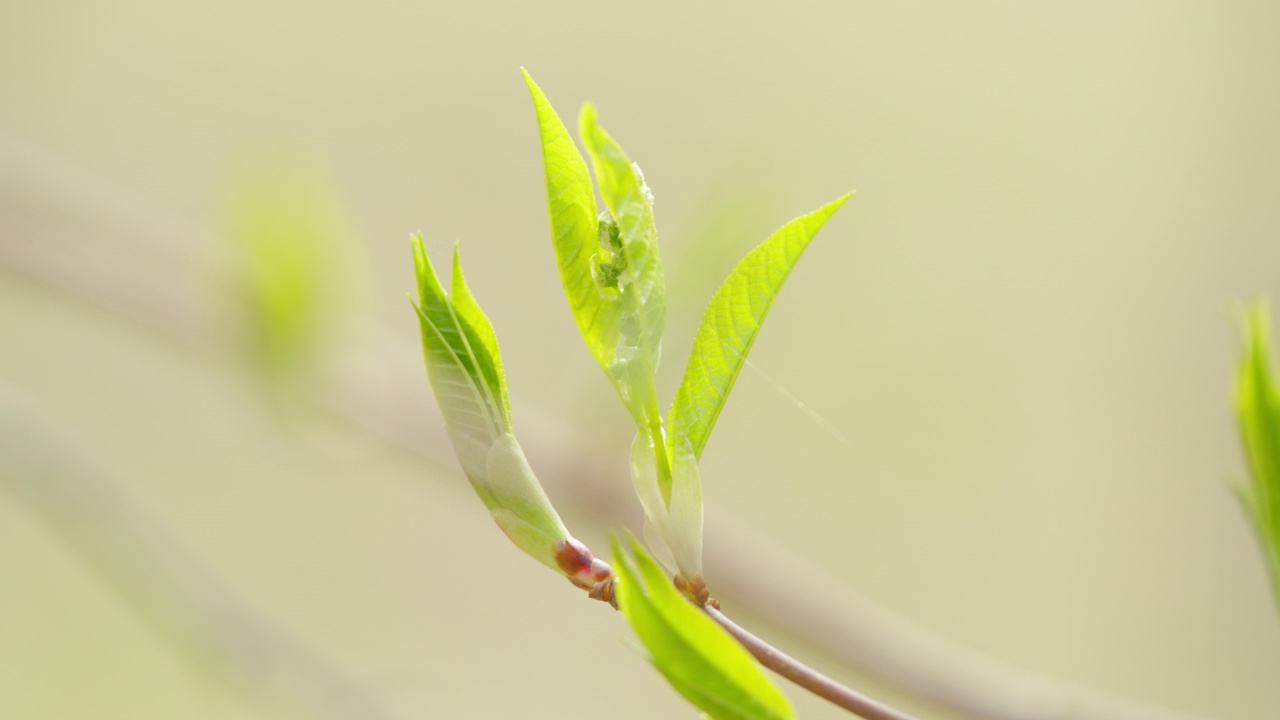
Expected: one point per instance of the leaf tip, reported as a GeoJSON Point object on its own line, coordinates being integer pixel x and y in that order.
{"type": "Point", "coordinates": [456, 280]}
{"type": "Point", "coordinates": [840, 201]}
{"type": "Point", "coordinates": [587, 119]}
{"type": "Point", "coordinates": [421, 263]}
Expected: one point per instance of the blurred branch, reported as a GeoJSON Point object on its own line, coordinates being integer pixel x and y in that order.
{"type": "Point", "coordinates": [145, 565]}
{"type": "Point", "coordinates": [368, 391]}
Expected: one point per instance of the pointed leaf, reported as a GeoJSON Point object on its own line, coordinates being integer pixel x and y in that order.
{"type": "Point", "coordinates": [480, 337]}
{"type": "Point", "coordinates": [465, 371]}
{"type": "Point", "coordinates": [571, 205]}
{"type": "Point", "coordinates": [730, 325]}
{"type": "Point", "coordinates": [466, 399]}
{"type": "Point", "coordinates": [634, 269]}
{"type": "Point", "coordinates": [698, 657]}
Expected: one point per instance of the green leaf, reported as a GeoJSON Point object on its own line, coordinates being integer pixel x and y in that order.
{"type": "Point", "coordinates": [481, 337]}
{"type": "Point", "coordinates": [520, 506]}
{"type": "Point", "coordinates": [634, 269]}
{"type": "Point", "coordinates": [673, 514]}
{"type": "Point", "coordinates": [1258, 411]}
{"type": "Point", "coordinates": [571, 205]}
{"type": "Point", "coordinates": [465, 371]}
{"type": "Point", "coordinates": [470, 415]}
{"type": "Point", "coordinates": [730, 325]}
{"type": "Point", "coordinates": [452, 351]}
{"type": "Point", "coordinates": [698, 657]}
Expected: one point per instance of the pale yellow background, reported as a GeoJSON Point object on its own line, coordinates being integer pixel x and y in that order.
{"type": "Point", "coordinates": [1023, 324]}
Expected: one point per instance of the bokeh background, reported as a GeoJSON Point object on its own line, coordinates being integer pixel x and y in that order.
{"type": "Point", "coordinates": [1020, 337]}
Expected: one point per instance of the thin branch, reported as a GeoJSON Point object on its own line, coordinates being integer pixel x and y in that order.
{"type": "Point", "coordinates": [805, 676]}
{"type": "Point", "coordinates": [771, 657]}
{"type": "Point", "coordinates": [775, 586]}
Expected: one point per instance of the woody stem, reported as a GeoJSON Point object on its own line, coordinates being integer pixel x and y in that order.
{"type": "Point", "coordinates": [805, 676]}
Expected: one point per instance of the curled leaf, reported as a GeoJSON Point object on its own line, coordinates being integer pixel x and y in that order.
{"type": "Point", "coordinates": [465, 371]}
{"type": "Point", "coordinates": [634, 270]}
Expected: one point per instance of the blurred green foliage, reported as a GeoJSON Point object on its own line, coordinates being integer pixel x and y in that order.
{"type": "Point", "coordinates": [296, 272]}
{"type": "Point", "coordinates": [1258, 410]}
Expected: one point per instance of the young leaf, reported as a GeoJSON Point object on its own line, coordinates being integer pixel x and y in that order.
{"type": "Point", "coordinates": [730, 325]}
{"type": "Point", "coordinates": [1258, 410]}
{"type": "Point", "coordinates": [672, 505]}
{"type": "Point", "coordinates": [698, 657]}
{"type": "Point", "coordinates": [571, 205]}
{"type": "Point", "coordinates": [684, 533]}
{"type": "Point", "coordinates": [481, 337]}
{"type": "Point", "coordinates": [466, 397]}
{"type": "Point", "coordinates": [465, 371]}
{"type": "Point", "coordinates": [634, 269]}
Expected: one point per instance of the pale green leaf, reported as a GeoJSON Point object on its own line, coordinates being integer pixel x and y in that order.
{"type": "Point", "coordinates": [571, 205]}
{"type": "Point", "coordinates": [481, 337]}
{"type": "Point", "coordinates": [698, 657]}
{"type": "Point", "coordinates": [684, 534]}
{"type": "Point", "coordinates": [453, 367]}
{"type": "Point", "coordinates": [730, 325]}
{"type": "Point", "coordinates": [673, 516]}
{"type": "Point", "coordinates": [1258, 410]}
{"type": "Point", "coordinates": [635, 270]}
{"type": "Point", "coordinates": [465, 371]}
{"type": "Point", "coordinates": [521, 507]}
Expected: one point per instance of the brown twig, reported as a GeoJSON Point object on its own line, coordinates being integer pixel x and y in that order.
{"type": "Point", "coordinates": [805, 676]}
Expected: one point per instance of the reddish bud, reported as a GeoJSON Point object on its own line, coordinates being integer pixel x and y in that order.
{"type": "Point", "coordinates": [584, 569]}
{"type": "Point", "coordinates": [696, 590]}
{"type": "Point", "coordinates": [600, 570]}
{"type": "Point", "coordinates": [572, 557]}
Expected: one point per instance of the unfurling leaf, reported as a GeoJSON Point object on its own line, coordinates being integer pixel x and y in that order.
{"type": "Point", "coordinates": [465, 370]}
{"type": "Point", "coordinates": [571, 205]}
{"type": "Point", "coordinates": [608, 263]}
{"type": "Point", "coordinates": [730, 325]}
{"type": "Point", "coordinates": [698, 657]}
{"type": "Point", "coordinates": [636, 265]}
{"type": "Point", "coordinates": [633, 270]}
{"type": "Point", "coordinates": [1258, 409]}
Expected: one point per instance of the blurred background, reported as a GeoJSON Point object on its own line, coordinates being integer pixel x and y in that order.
{"type": "Point", "coordinates": [223, 488]}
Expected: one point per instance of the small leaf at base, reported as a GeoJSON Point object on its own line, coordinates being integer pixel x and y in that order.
{"type": "Point", "coordinates": [698, 657]}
